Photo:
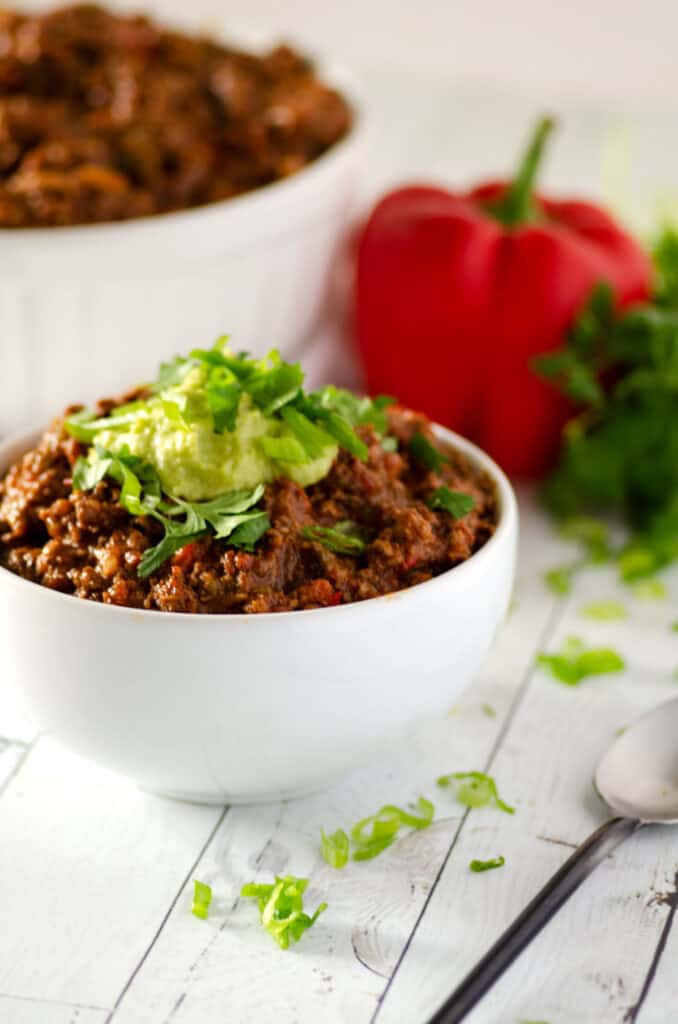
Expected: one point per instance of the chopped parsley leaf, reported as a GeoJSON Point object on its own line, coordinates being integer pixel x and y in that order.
{"type": "Point", "coordinates": [454, 502]}
{"type": "Point", "coordinates": [343, 538]}
{"type": "Point", "coordinates": [574, 663]}
{"type": "Point", "coordinates": [425, 453]}
{"type": "Point", "coordinates": [232, 515]}
{"type": "Point", "coordinates": [559, 579]}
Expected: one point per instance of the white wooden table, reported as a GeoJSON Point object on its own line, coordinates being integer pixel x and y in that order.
{"type": "Point", "coordinates": [96, 876]}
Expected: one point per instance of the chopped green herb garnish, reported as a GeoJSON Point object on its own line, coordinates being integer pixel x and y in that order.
{"type": "Point", "coordinates": [674, 627]}
{"type": "Point", "coordinates": [281, 907]}
{"type": "Point", "coordinates": [604, 611]}
{"type": "Point", "coordinates": [476, 790]}
{"type": "Point", "coordinates": [425, 453]}
{"type": "Point", "coordinates": [559, 580]}
{"type": "Point", "coordinates": [343, 538]}
{"type": "Point", "coordinates": [488, 710]}
{"type": "Point", "coordinates": [487, 865]}
{"type": "Point", "coordinates": [335, 848]}
{"type": "Point", "coordinates": [374, 834]}
{"type": "Point", "coordinates": [231, 515]}
{"type": "Point", "coordinates": [454, 502]}
{"type": "Point", "coordinates": [202, 897]}
{"type": "Point", "coordinates": [315, 421]}
{"type": "Point", "coordinates": [574, 663]}
{"type": "Point", "coordinates": [591, 533]}
{"type": "Point", "coordinates": [649, 590]}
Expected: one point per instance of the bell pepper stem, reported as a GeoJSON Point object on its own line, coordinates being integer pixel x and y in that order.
{"type": "Point", "coordinates": [517, 204]}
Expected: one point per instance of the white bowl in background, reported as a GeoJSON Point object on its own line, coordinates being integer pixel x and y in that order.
{"type": "Point", "coordinates": [241, 708]}
{"type": "Point", "coordinates": [85, 310]}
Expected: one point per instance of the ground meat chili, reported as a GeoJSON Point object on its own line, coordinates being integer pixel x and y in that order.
{"type": "Point", "coordinates": [84, 543]}
{"type": "Point", "coordinates": [105, 117]}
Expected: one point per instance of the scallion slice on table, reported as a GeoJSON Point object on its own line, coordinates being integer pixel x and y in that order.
{"type": "Point", "coordinates": [486, 865]}
{"type": "Point", "coordinates": [281, 908]}
{"type": "Point", "coordinates": [476, 789]}
{"type": "Point", "coordinates": [202, 897]}
{"type": "Point", "coordinates": [372, 835]}
{"type": "Point", "coordinates": [335, 848]}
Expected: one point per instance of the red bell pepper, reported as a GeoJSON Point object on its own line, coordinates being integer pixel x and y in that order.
{"type": "Point", "coordinates": [457, 293]}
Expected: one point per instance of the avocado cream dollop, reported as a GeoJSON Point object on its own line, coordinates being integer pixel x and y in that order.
{"type": "Point", "coordinates": [174, 431]}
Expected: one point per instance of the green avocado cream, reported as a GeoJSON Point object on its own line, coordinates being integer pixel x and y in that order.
{"type": "Point", "coordinates": [174, 431]}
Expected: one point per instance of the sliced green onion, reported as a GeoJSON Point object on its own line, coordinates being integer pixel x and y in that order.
{"type": "Point", "coordinates": [281, 908]}
{"type": "Point", "coordinates": [202, 897]}
{"type": "Point", "coordinates": [335, 847]}
{"type": "Point", "coordinates": [604, 611]}
{"type": "Point", "coordinates": [476, 790]}
{"type": "Point", "coordinates": [487, 865]}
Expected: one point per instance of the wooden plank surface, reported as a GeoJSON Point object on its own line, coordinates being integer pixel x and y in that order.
{"type": "Point", "coordinates": [36, 1011]}
{"type": "Point", "coordinates": [95, 876]}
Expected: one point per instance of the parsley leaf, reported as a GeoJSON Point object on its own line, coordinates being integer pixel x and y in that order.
{"type": "Point", "coordinates": [281, 908]}
{"type": "Point", "coordinates": [231, 515]}
{"type": "Point", "coordinates": [559, 579]}
{"type": "Point", "coordinates": [574, 663]}
{"type": "Point", "coordinates": [476, 790]}
{"type": "Point", "coordinates": [456, 503]}
{"type": "Point", "coordinates": [343, 538]}
{"type": "Point", "coordinates": [487, 865]}
{"type": "Point", "coordinates": [425, 453]}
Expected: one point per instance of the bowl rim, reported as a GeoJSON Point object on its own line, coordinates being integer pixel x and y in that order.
{"type": "Point", "coordinates": [331, 73]}
{"type": "Point", "coordinates": [506, 524]}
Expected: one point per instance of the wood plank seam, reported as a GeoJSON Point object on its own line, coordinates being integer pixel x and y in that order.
{"type": "Point", "coordinates": [541, 640]}
{"type": "Point", "coordinates": [184, 883]}
{"type": "Point", "coordinates": [671, 899]}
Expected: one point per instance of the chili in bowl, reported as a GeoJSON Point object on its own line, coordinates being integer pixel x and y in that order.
{"type": "Point", "coordinates": [154, 182]}
{"type": "Point", "coordinates": [242, 588]}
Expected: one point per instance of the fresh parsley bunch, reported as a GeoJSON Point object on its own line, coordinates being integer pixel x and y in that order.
{"type": "Point", "coordinates": [620, 453]}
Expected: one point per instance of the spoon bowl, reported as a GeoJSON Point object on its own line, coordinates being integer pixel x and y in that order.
{"type": "Point", "coordinates": [638, 776]}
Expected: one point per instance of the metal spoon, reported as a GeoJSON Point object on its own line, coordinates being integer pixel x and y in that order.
{"type": "Point", "coordinates": [638, 780]}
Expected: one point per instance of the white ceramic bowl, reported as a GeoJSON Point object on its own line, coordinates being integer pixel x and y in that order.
{"type": "Point", "coordinates": [85, 310]}
{"type": "Point", "coordinates": [240, 708]}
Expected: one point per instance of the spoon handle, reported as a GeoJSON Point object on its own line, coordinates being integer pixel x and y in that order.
{"type": "Point", "coordinates": [537, 913]}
